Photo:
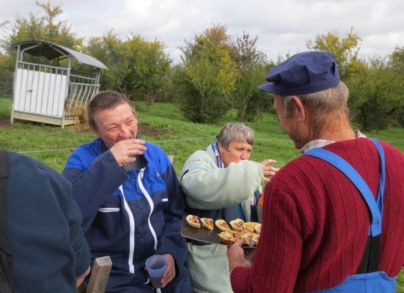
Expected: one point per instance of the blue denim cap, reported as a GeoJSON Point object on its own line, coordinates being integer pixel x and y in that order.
{"type": "Point", "coordinates": [303, 73]}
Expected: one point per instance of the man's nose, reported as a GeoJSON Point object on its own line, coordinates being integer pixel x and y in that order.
{"type": "Point", "coordinates": [125, 133]}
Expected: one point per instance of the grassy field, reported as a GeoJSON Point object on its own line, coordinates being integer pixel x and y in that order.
{"type": "Point", "coordinates": [163, 125]}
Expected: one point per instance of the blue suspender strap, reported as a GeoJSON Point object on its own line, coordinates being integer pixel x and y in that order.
{"type": "Point", "coordinates": [353, 175]}
{"type": "Point", "coordinates": [371, 255]}
{"type": "Point", "coordinates": [380, 193]}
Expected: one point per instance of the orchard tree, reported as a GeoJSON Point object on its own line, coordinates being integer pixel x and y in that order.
{"type": "Point", "coordinates": [110, 50]}
{"type": "Point", "coordinates": [6, 68]}
{"type": "Point", "coordinates": [148, 68]}
{"type": "Point", "coordinates": [137, 67]}
{"type": "Point", "coordinates": [45, 27]}
{"type": "Point", "coordinates": [374, 85]}
{"type": "Point", "coordinates": [206, 77]}
{"type": "Point", "coordinates": [249, 102]}
{"type": "Point", "coordinates": [345, 49]}
{"type": "Point", "coordinates": [6, 78]}
{"type": "Point", "coordinates": [396, 63]}
{"type": "Point", "coordinates": [375, 97]}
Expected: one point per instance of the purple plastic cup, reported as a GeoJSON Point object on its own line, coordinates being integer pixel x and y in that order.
{"type": "Point", "coordinates": [156, 265]}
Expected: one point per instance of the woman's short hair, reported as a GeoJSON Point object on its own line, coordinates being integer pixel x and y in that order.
{"type": "Point", "coordinates": [235, 132]}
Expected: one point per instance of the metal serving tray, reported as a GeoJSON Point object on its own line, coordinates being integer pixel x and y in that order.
{"type": "Point", "coordinates": [203, 234]}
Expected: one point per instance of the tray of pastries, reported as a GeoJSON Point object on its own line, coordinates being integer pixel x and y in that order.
{"type": "Point", "coordinates": [219, 231]}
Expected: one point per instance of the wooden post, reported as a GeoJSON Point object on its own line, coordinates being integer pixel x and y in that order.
{"type": "Point", "coordinates": [99, 275]}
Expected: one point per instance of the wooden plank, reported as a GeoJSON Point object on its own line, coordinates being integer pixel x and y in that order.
{"type": "Point", "coordinates": [99, 275]}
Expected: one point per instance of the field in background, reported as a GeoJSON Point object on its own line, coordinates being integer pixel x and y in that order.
{"type": "Point", "coordinates": [163, 125]}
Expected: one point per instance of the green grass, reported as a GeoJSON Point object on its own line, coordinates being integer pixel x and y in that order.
{"type": "Point", "coordinates": [165, 127]}
{"type": "Point", "coordinates": [400, 282]}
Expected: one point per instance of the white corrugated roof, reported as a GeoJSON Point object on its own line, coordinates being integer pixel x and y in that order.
{"type": "Point", "coordinates": [51, 50]}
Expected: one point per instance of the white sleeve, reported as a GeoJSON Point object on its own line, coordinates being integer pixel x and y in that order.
{"type": "Point", "coordinates": [209, 187]}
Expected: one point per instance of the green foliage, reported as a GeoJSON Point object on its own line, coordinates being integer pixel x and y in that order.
{"type": "Point", "coordinates": [400, 282]}
{"type": "Point", "coordinates": [110, 50]}
{"type": "Point", "coordinates": [137, 67]}
{"type": "Point", "coordinates": [376, 86]}
{"type": "Point", "coordinates": [376, 95]}
{"type": "Point", "coordinates": [5, 108]}
{"type": "Point", "coordinates": [397, 60]}
{"type": "Point", "coordinates": [215, 74]}
{"type": "Point", "coordinates": [250, 102]}
{"type": "Point", "coordinates": [345, 50]}
{"type": "Point", "coordinates": [6, 75]}
{"type": "Point", "coordinates": [148, 68]}
{"type": "Point", "coordinates": [44, 28]}
{"type": "Point", "coordinates": [206, 77]}
{"type": "Point", "coordinates": [246, 98]}
{"type": "Point", "coordinates": [396, 63]}
{"type": "Point", "coordinates": [162, 124]}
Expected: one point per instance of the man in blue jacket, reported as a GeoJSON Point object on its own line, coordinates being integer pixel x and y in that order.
{"type": "Point", "coordinates": [43, 236]}
{"type": "Point", "coordinates": [130, 199]}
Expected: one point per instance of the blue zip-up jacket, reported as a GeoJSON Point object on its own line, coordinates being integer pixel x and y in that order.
{"type": "Point", "coordinates": [128, 215]}
{"type": "Point", "coordinates": [44, 237]}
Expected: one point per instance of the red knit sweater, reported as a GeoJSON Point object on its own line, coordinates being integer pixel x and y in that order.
{"type": "Point", "coordinates": [315, 222]}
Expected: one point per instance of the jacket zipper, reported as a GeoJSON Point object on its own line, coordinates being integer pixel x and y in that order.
{"type": "Point", "coordinates": [132, 228]}
{"type": "Point", "coordinates": [150, 201]}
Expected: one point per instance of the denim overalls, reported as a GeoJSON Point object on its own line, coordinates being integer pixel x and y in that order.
{"type": "Point", "coordinates": [367, 278]}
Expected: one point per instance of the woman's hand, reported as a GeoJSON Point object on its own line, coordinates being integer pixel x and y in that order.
{"type": "Point", "coordinates": [268, 170]}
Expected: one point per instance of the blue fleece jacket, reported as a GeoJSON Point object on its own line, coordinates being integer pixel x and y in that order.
{"type": "Point", "coordinates": [128, 215]}
{"type": "Point", "coordinates": [47, 245]}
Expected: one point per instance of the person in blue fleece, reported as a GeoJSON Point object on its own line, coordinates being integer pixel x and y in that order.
{"type": "Point", "coordinates": [43, 236]}
{"type": "Point", "coordinates": [130, 199]}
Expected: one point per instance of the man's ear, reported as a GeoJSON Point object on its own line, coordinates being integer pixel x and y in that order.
{"type": "Point", "coordinates": [299, 108]}
{"type": "Point", "coordinates": [95, 132]}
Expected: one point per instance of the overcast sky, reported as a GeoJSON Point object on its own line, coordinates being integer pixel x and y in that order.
{"type": "Point", "coordinates": [282, 26]}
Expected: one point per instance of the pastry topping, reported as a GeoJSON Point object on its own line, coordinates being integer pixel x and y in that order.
{"type": "Point", "coordinates": [246, 236]}
{"type": "Point", "coordinates": [227, 237]}
{"type": "Point", "coordinates": [222, 225]}
{"type": "Point", "coordinates": [237, 224]}
{"type": "Point", "coordinates": [250, 226]}
{"type": "Point", "coordinates": [207, 223]}
{"type": "Point", "coordinates": [193, 221]}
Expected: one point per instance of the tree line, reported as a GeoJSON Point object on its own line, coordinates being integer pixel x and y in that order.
{"type": "Point", "coordinates": [217, 72]}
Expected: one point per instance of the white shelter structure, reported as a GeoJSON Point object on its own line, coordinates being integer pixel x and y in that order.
{"type": "Point", "coordinates": [51, 94]}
